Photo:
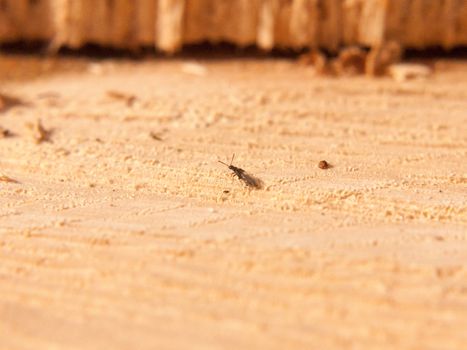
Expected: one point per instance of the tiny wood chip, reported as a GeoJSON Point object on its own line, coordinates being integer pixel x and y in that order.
{"type": "Point", "coordinates": [316, 59]}
{"type": "Point", "coordinates": [4, 178]}
{"type": "Point", "coordinates": [323, 165]}
{"type": "Point", "coordinates": [7, 101]}
{"type": "Point", "coordinates": [129, 99]}
{"type": "Point", "coordinates": [4, 133]}
{"type": "Point", "coordinates": [39, 133]}
{"type": "Point", "coordinates": [155, 136]}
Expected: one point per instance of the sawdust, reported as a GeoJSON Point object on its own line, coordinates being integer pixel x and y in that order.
{"type": "Point", "coordinates": [113, 240]}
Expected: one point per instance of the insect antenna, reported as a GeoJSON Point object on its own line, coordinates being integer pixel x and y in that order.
{"type": "Point", "coordinates": [231, 161]}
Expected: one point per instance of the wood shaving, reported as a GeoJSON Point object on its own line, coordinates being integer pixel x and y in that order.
{"type": "Point", "coordinates": [39, 133]}
{"type": "Point", "coordinates": [155, 136]}
{"type": "Point", "coordinates": [406, 71]}
{"type": "Point", "coordinates": [129, 99]}
{"type": "Point", "coordinates": [4, 178]}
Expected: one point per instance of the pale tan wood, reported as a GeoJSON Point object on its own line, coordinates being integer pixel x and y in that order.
{"type": "Point", "coordinates": [111, 238]}
{"type": "Point", "coordinates": [170, 14]}
{"type": "Point", "coordinates": [76, 22]}
{"type": "Point", "coordinates": [267, 14]}
{"type": "Point", "coordinates": [372, 22]}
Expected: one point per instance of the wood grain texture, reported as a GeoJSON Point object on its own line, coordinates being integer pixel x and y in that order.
{"type": "Point", "coordinates": [111, 238]}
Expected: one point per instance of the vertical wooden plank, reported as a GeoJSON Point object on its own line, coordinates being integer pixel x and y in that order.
{"type": "Point", "coordinates": [450, 22]}
{"type": "Point", "coordinates": [245, 31]}
{"type": "Point", "coordinates": [351, 15]}
{"type": "Point", "coordinates": [121, 23]}
{"type": "Point", "coordinates": [393, 20]}
{"type": "Point", "coordinates": [413, 26]}
{"type": "Point", "coordinates": [461, 24]}
{"type": "Point", "coordinates": [282, 34]}
{"type": "Point", "coordinates": [75, 29]}
{"type": "Point", "coordinates": [329, 30]}
{"type": "Point", "coordinates": [303, 23]}
{"type": "Point", "coordinates": [372, 22]}
{"type": "Point", "coordinates": [268, 23]}
{"type": "Point", "coordinates": [6, 25]}
{"type": "Point", "coordinates": [59, 9]}
{"type": "Point", "coordinates": [196, 19]}
{"type": "Point", "coordinates": [97, 23]}
{"type": "Point", "coordinates": [170, 24]}
{"type": "Point", "coordinates": [145, 13]}
{"type": "Point", "coordinates": [267, 18]}
{"type": "Point", "coordinates": [223, 20]}
{"type": "Point", "coordinates": [37, 23]}
{"type": "Point", "coordinates": [15, 19]}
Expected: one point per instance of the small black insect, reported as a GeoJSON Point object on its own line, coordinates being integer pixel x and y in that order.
{"type": "Point", "coordinates": [248, 179]}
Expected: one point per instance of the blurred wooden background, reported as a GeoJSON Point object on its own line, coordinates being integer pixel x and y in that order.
{"type": "Point", "coordinates": [168, 24]}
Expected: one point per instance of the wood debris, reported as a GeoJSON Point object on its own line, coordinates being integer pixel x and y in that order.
{"type": "Point", "coordinates": [194, 69]}
{"type": "Point", "coordinates": [316, 59]}
{"type": "Point", "coordinates": [7, 102]}
{"type": "Point", "coordinates": [129, 99]}
{"type": "Point", "coordinates": [351, 61]}
{"type": "Point", "coordinates": [155, 136]}
{"type": "Point", "coordinates": [355, 60]}
{"type": "Point", "coordinates": [405, 71]}
{"type": "Point", "coordinates": [4, 178]}
{"type": "Point", "coordinates": [39, 133]}
{"type": "Point", "coordinates": [323, 165]}
{"type": "Point", "coordinates": [381, 57]}
{"type": "Point", "coordinates": [4, 133]}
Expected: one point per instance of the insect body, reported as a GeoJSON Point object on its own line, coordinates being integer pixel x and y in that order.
{"type": "Point", "coordinates": [248, 179]}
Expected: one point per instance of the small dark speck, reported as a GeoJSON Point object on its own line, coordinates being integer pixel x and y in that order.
{"type": "Point", "coordinates": [323, 165]}
{"type": "Point", "coordinates": [155, 136]}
